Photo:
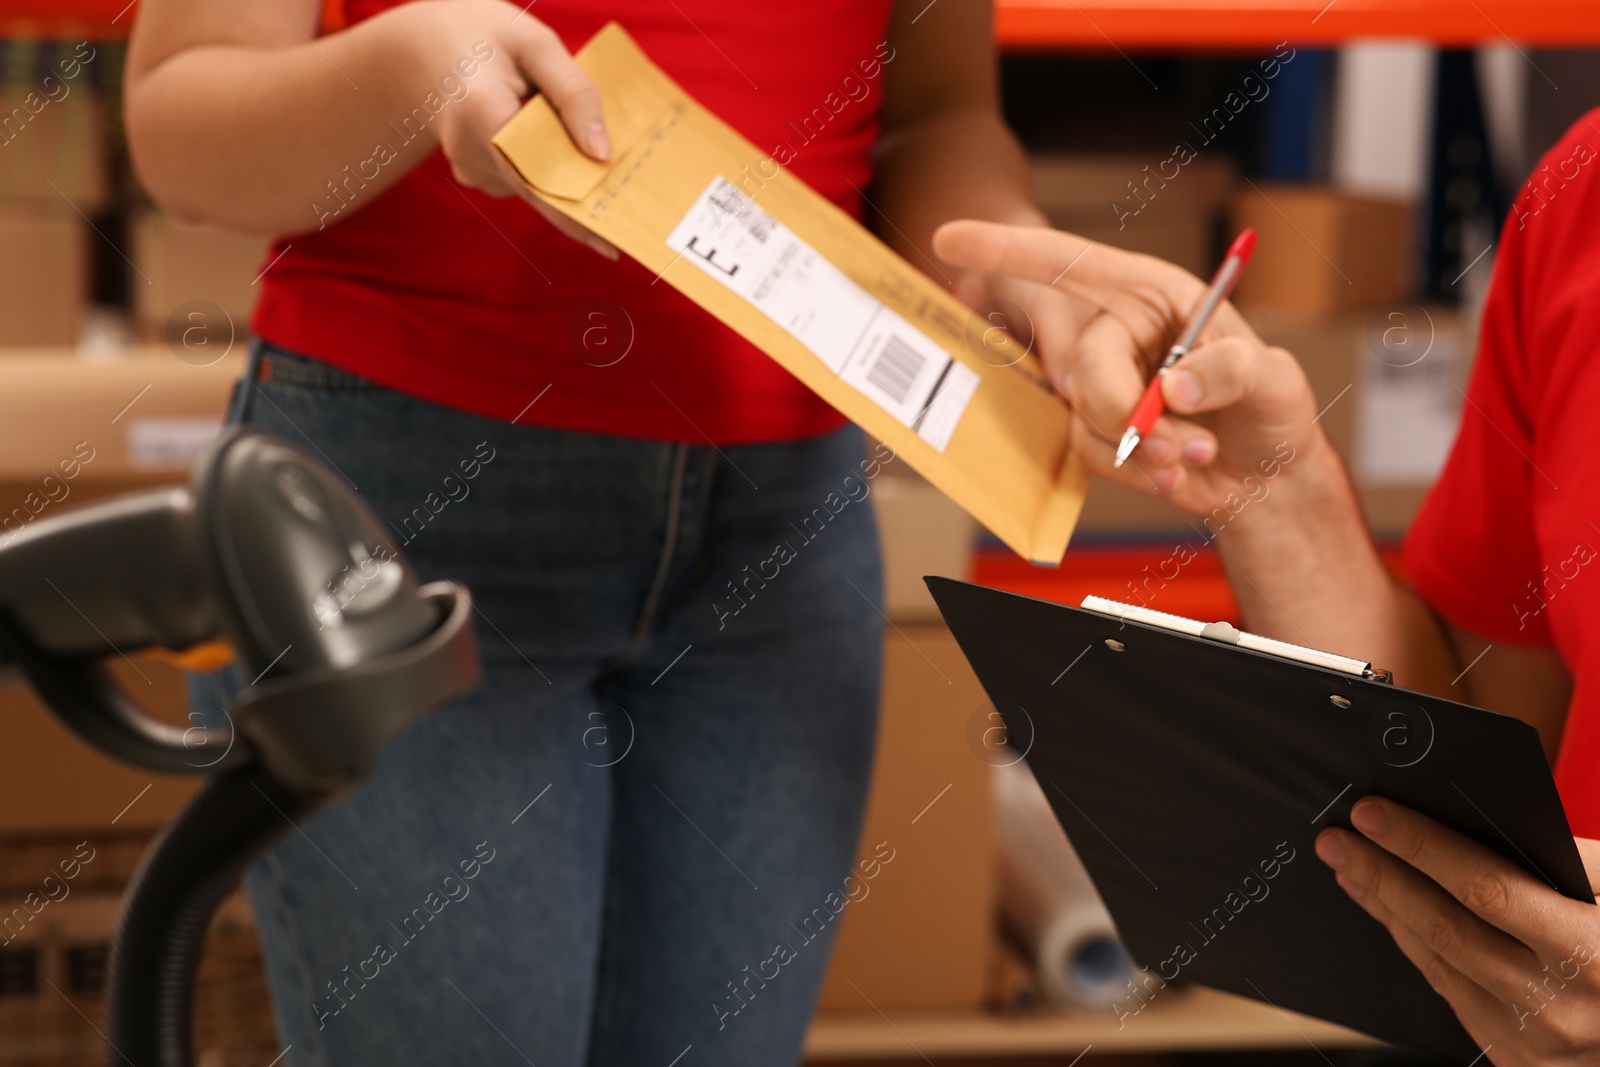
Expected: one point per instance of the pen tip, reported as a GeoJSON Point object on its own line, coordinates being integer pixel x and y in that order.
{"type": "Point", "coordinates": [1129, 442]}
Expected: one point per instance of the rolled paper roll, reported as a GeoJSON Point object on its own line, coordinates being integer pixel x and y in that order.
{"type": "Point", "coordinates": [1049, 904]}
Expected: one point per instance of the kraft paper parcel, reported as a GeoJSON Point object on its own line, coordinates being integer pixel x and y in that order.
{"type": "Point", "coordinates": [728, 227]}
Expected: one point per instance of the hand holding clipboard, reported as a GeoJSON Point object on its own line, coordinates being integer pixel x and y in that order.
{"type": "Point", "coordinates": [1179, 762]}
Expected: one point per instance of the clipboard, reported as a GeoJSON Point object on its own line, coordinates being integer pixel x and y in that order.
{"type": "Point", "coordinates": [1193, 767]}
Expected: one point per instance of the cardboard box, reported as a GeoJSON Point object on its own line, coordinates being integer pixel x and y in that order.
{"type": "Point", "coordinates": [1388, 383]}
{"type": "Point", "coordinates": [44, 272]}
{"type": "Point", "coordinates": [52, 781]}
{"type": "Point", "coordinates": [75, 430]}
{"type": "Point", "coordinates": [922, 532]}
{"type": "Point", "coordinates": [1322, 252]}
{"type": "Point", "coordinates": [924, 934]}
{"type": "Point", "coordinates": [72, 431]}
{"type": "Point", "coordinates": [179, 269]}
{"type": "Point", "coordinates": [53, 138]}
{"type": "Point", "coordinates": [1126, 201]}
{"type": "Point", "coordinates": [119, 422]}
{"type": "Point", "coordinates": [1116, 511]}
{"type": "Point", "coordinates": [55, 981]}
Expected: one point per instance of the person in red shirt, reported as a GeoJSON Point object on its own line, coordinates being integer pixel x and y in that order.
{"type": "Point", "coordinates": [1504, 587]}
{"type": "Point", "coordinates": [633, 844]}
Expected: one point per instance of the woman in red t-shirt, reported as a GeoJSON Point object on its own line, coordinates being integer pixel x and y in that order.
{"type": "Point", "coordinates": [1503, 592]}
{"type": "Point", "coordinates": [633, 843]}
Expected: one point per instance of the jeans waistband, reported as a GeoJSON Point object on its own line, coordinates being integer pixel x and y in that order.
{"type": "Point", "coordinates": [292, 368]}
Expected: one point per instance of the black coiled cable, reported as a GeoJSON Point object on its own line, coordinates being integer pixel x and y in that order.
{"type": "Point", "coordinates": [183, 879]}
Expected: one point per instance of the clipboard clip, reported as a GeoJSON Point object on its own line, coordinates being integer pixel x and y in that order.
{"type": "Point", "coordinates": [1227, 633]}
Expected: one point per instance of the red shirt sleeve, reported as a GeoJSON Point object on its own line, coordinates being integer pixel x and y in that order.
{"type": "Point", "coordinates": [1472, 551]}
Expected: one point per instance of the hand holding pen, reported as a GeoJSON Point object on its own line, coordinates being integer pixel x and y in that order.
{"type": "Point", "coordinates": [1153, 403]}
{"type": "Point", "coordinates": [1237, 410]}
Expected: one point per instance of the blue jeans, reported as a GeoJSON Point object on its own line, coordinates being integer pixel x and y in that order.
{"type": "Point", "coordinates": [591, 859]}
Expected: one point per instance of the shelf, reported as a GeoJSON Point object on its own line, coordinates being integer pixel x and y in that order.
{"type": "Point", "coordinates": [1135, 572]}
{"type": "Point", "coordinates": [96, 20]}
{"type": "Point", "coordinates": [1193, 1019]}
{"type": "Point", "coordinates": [1221, 25]}
{"type": "Point", "coordinates": [1198, 590]}
{"type": "Point", "coordinates": [1104, 25]}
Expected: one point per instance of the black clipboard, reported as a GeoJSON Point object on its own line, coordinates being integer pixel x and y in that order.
{"type": "Point", "coordinates": [1184, 768]}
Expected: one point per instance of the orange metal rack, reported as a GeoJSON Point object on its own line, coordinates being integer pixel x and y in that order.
{"type": "Point", "coordinates": [1188, 25]}
{"type": "Point", "coordinates": [1130, 25]}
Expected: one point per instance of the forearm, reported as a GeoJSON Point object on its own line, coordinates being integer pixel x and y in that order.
{"type": "Point", "coordinates": [1304, 569]}
{"type": "Point", "coordinates": [951, 164]}
{"type": "Point", "coordinates": [281, 139]}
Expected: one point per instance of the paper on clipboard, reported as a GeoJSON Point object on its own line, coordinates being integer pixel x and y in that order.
{"type": "Point", "coordinates": [725, 225]}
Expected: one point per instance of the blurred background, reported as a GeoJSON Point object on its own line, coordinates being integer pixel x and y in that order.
{"type": "Point", "coordinates": [1387, 138]}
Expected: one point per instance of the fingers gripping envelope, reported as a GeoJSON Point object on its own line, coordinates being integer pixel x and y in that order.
{"type": "Point", "coordinates": [963, 402]}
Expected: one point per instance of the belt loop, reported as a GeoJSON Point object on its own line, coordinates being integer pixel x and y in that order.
{"type": "Point", "coordinates": [242, 403]}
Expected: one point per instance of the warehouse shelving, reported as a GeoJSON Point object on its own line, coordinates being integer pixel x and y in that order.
{"type": "Point", "coordinates": [1194, 1020]}
{"type": "Point", "coordinates": [1187, 25]}
{"type": "Point", "coordinates": [1142, 25]}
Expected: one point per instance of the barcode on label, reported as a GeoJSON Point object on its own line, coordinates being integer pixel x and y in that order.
{"type": "Point", "coordinates": [727, 202]}
{"type": "Point", "coordinates": [896, 368]}
{"type": "Point", "coordinates": [867, 344]}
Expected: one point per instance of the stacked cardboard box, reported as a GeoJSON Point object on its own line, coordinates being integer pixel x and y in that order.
{"type": "Point", "coordinates": [52, 123]}
{"type": "Point", "coordinates": [74, 823]}
{"type": "Point", "coordinates": [131, 420]}
{"type": "Point", "coordinates": [921, 532]}
{"type": "Point", "coordinates": [54, 187]}
{"type": "Point", "coordinates": [44, 271]}
{"type": "Point", "coordinates": [53, 968]}
{"type": "Point", "coordinates": [52, 782]}
{"type": "Point", "coordinates": [924, 934]}
{"type": "Point", "coordinates": [52, 180]}
{"type": "Point", "coordinates": [1322, 252]}
{"type": "Point", "coordinates": [73, 430]}
{"type": "Point", "coordinates": [1136, 204]}
{"type": "Point", "coordinates": [1388, 381]}
{"type": "Point", "coordinates": [1333, 281]}
{"type": "Point", "coordinates": [186, 276]}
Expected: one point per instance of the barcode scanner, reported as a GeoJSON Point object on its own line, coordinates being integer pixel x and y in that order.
{"type": "Point", "coordinates": [338, 644]}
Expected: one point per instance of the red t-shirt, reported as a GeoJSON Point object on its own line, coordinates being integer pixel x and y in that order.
{"type": "Point", "coordinates": [480, 304]}
{"type": "Point", "coordinates": [1507, 545]}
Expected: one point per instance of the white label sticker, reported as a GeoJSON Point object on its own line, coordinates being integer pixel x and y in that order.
{"type": "Point", "coordinates": [1408, 410]}
{"type": "Point", "coordinates": [862, 340]}
{"type": "Point", "coordinates": [168, 444]}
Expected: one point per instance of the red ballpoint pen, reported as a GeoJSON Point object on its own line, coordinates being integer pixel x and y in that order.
{"type": "Point", "coordinates": [1152, 404]}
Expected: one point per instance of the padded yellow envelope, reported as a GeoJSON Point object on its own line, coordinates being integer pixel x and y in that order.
{"type": "Point", "coordinates": [736, 233]}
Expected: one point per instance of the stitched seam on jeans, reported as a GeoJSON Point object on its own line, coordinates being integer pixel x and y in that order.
{"type": "Point", "coordinates": [669, 550]}
{"type": "Point", "coordinates": [603, 1008]}
{"type": "Point", "coordinates": [297, 952]}
{"type": "Point", "coordinates": [702, 507]}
